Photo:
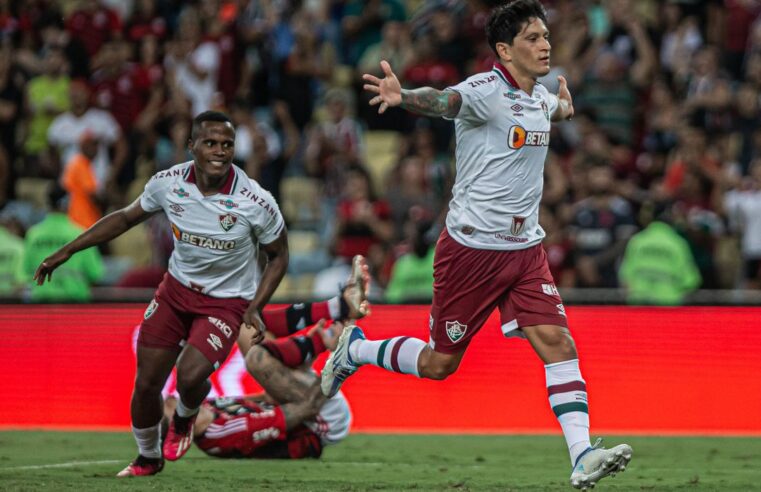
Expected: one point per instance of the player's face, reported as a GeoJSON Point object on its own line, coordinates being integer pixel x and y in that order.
{"type": "Point", "coordinates": [213, 149]}
{"type": "Point", "coordinates": [530, 52]}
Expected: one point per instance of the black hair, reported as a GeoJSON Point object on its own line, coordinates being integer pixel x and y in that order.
{"type": "Point", "coordinates": [57, 197]}
{"type": "Point", "coordinates": [506, 21]}
{"type": "Point", "coordinates": [198, 121]}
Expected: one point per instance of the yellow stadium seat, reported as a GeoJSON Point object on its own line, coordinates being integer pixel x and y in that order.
{"type": "Point", "coordinates": [300, 200]}
{"type": "Point", "coordinates": [381, 147]}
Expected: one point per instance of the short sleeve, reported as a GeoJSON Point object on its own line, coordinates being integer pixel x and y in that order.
{"type": "Point", "coordinates": [476, 107]}
{"type": "Point", "coordinates": [552, 102]}
{"type": "Point", "coordinates": [152, 198]}
{"type": "Point", "coordinates": [270, 223]}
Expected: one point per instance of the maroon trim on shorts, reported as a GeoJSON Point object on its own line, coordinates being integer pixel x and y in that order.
{"type": "Point", "coordinates": [395, 354]}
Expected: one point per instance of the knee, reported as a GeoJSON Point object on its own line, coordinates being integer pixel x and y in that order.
{"type": "Point", "coordinates": [146, 387]}
{"type": "Point", "coordinates": [255, 360]}
{"type": "Point", "coordinates": [438, 369]}
{"type": "Point", "coordinates": [559, 343]}
{"type": "Point", "coordinates": [189, 379]}
{"type": "Point", "coordinates": [565, 345]}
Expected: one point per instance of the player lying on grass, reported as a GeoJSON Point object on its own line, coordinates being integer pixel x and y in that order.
{"type": "Point", "coordinates": [291, 420]}
{"type": "Point", "coordinates": [292, 352]}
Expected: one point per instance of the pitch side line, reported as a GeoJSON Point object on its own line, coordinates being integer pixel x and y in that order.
{"type": "Point", "coordinates": [60, 465]}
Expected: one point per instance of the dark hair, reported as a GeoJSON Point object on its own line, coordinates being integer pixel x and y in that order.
{"type": "Point", "coordinates": [56, 197]}
{"type": "Point", "coordinates": [507, 21]}
{"type": "Point", "coordinates": [198, 121]}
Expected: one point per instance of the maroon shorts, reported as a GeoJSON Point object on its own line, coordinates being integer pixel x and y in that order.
{"type": "Point", "coordinates": [178, 315]}
{"type": "Point", "coordinates": [469, 283]}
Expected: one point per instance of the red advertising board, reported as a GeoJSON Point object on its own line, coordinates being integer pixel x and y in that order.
{"type": "Point", "coordinates": [648, 370]}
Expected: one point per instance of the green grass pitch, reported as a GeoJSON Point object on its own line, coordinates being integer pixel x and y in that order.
{"type": "Point", "coordinates": [78, 461]}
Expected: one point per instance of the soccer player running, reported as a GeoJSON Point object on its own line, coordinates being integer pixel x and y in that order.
{"type": "Point", "coordinates": [292, 419]}
{"type": "Point", "coordinates": [490, 254]}
{"type": "Point", "coordinates": [213, 289]}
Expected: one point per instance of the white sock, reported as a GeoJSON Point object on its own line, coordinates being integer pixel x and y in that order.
{"type": "Point", "coordinates": [568, 398]}
{"type": "Point", "coordinates": [184, 411]}
{"type": "Point", "coordinates": [399, 354]}
{"type": "Point", "coordinates": [148, 440]}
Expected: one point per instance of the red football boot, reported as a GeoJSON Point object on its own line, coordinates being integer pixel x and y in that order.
{"type": "Point", "coordinates": [179, 437]}
{"type": "Point", "coordinates": [142, 467]}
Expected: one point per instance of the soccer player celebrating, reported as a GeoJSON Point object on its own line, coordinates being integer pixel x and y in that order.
{"type": "Point", "coordinates": [490, 256]}
{"type": "Point", "coordinates": [213, 289]}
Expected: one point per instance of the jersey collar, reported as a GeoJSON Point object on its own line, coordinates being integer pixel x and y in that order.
{"type": "Point", "coordinates": [227, 188]}
{"type": "Point", "coordinates": [505, 74]}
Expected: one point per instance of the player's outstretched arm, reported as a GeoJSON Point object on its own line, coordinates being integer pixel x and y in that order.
{"type": "Point", "coordinates": [107, 228]}
{"type": "Point", "coordinates": [565, 102]}
{"type": "Point", "coordinates": [426, 100]}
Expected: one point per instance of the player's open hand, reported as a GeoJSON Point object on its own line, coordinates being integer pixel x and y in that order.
{"type": "Point", "coordinates": [388, 89]}
{"type": "Point", "coordinates": [253, 325]}
{"type": "Point", "coordinates": [45, 270]}
{"type": "Point", "coordinates": [564, 99]}
{"type": "Point", "coordinates": [329, 335]}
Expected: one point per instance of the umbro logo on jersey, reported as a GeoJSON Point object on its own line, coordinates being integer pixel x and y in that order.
{"type": "Point", "coordinates": [518, 137]}
{"type": "Point", "coordinates": [176, 208]}
{"type": "Point", "coordinates": [517, 108]}
{"type": "Point", "coordinates": [227, 221]}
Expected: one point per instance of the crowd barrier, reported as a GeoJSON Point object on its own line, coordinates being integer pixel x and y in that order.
{"type": "Point", "coordinates": [692, 370]}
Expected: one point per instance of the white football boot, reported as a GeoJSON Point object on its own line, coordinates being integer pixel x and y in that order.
{"type": "Point", "coordinates": [597, 462]}
{"type": "Point", "coordinates": [339, 365]}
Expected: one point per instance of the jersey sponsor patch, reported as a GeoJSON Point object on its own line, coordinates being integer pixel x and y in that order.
{"type": "Point", "coordinates": [202, 241]}
{"type": "Point", "coordinates": [180, 192]}
{"type": "Point", "coordinates": [546, 110]}
{"type": "Point", "coordinates": [518, 137]}
{"type": "Point", "coordinates": [455, 330]}
{"type": "Point", "coordinates": [517, 226]}
{"type": "Point", "coordinates": [222, 326]}
{"type": "Point", "coordinates": [550, 290]}
{"type": "Point", "coordinates": [151, 309]}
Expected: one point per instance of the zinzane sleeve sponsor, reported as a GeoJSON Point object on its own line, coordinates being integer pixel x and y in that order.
{"type": "Point", "coordinates": [476, 106]}
{"type": "Point", "coordinates": [268, 221]}
{"type": "Point", "coordinates": [152, 198]}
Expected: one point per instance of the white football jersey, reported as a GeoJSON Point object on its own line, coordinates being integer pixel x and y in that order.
{"type": "Point", "coordinates": [502, 138]}
{"type": "Point", "coordinates": [216, 237]}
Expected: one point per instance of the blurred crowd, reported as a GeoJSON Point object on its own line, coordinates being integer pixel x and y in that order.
{"type": "Point", "coordinates": [98, 95]}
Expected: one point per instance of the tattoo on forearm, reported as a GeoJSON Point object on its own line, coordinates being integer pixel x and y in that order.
{"type": "Point", "coordinates": [431, 102]}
